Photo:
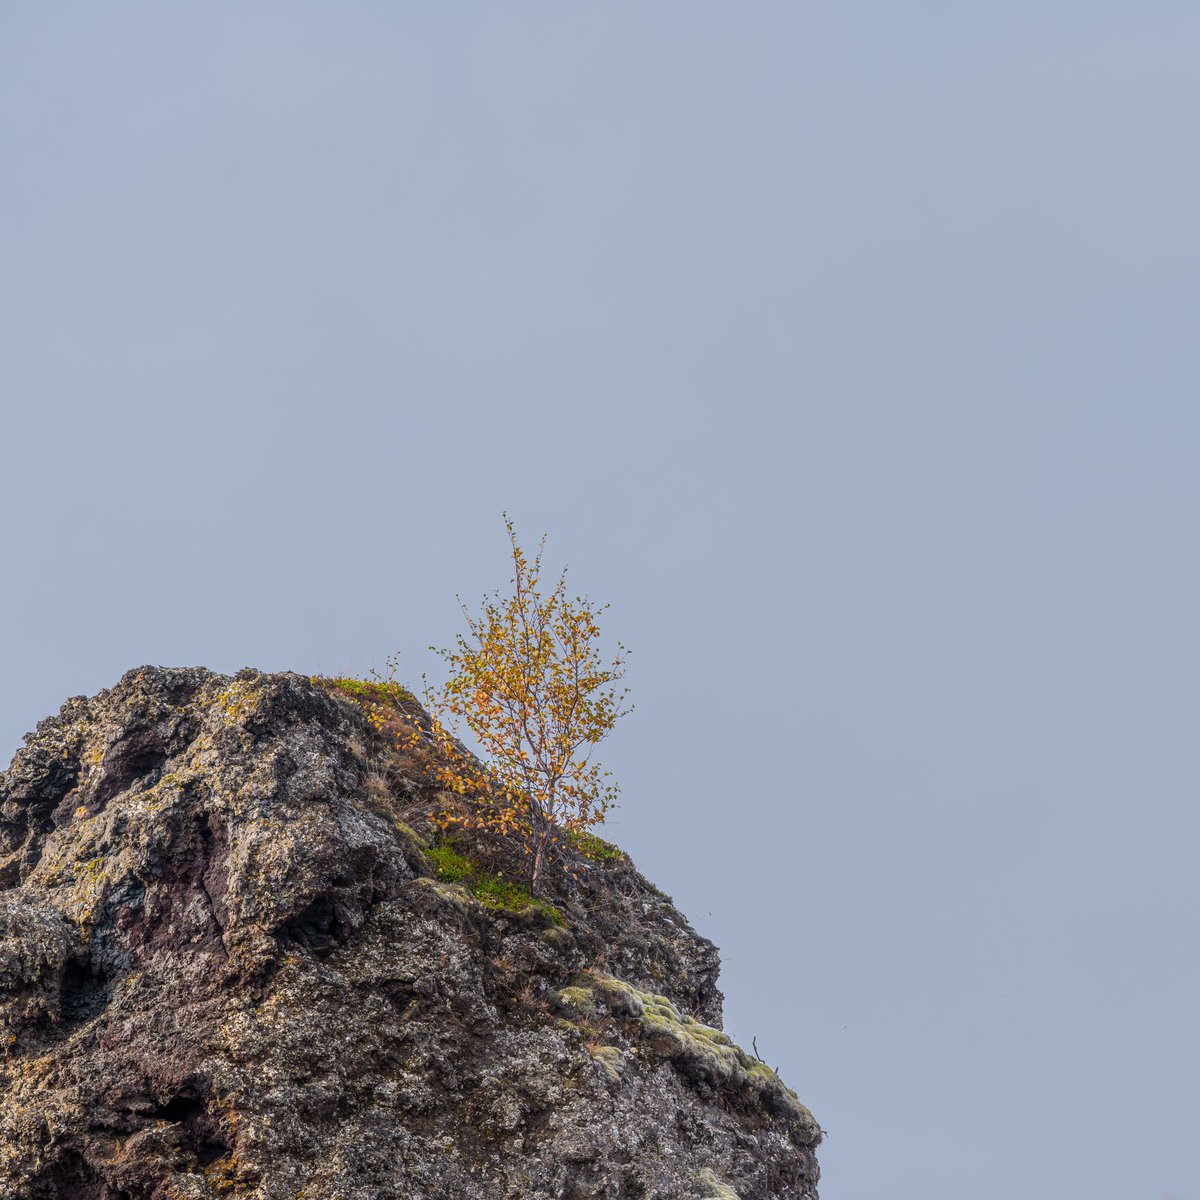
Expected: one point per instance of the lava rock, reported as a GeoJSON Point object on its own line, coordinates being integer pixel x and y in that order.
{"type": "Point", "coordinates": [229, 968]}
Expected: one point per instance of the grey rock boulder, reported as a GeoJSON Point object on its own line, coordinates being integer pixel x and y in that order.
{"type": "Point", "coordinates": [230, 966]}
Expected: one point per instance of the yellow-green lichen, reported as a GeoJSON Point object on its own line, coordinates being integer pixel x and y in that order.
{"type": "Point", "coordinates": [619, 997]}
{"type": "Point", "coordinates": [87, 883]}
{"type": "Point", "coordinates": [455, 893]}
{"type": "Point", "coordinates": [581, 1000]}
{"type": "Point", "coordinates": [712, 1188]}
{"type": "Point", "coordinates": [594, 992]}
{"type": "Point", "coordinates": [558, 939]}
{"type": "Point", "coordinates": [711, 1054]}
{"type": "Point", "coordinates": [610, 1058]}
{"type": "Point", "coordinates": [237, 700]}
{"type": "Point", "coordinates": [413, 846]}
{"type": "Point", "coordinates": [698, 1050]}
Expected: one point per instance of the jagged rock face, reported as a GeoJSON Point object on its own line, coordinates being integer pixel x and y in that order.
{"type": "Point", "coordinates": [228, 969]}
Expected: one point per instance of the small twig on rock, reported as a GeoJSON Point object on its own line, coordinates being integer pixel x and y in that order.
{"type": "Point", "coordinates": [754, 1045]}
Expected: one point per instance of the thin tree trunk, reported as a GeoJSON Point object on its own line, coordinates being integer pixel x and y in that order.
{"type": "Point", "coordinates": [539, 858]}
{"type": "Point", "coordinates": [541, 839]}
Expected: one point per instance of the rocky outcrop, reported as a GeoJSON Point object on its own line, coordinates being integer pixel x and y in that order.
{"type": "Point", "coordinates": [238, 959]}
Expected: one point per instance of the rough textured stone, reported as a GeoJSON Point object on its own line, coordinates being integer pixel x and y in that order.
{"type": "Point", "coordinates": [227, 969]}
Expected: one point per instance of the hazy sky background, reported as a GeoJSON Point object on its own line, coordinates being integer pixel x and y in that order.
{"type": "Point", "coordinates": [849, 350]}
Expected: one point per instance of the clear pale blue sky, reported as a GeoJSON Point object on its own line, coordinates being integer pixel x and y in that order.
{"type": "Point", "coordinates": [848, 349]}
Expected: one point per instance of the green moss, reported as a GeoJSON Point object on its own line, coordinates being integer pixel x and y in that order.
{"type": "Point", "coordinates": [594, 849]}
{"type": "Point", "coordinates": [449, 864]}
{"type": "Point", "coordinates": [373, 691]}
{"type": "Point", "coordinates": [492, 891]}
{"type": "Point", "coordinates": [495, 892]}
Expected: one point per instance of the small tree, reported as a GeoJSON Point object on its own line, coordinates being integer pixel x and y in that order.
{"type": "Point", "coordinates": [529, 681]}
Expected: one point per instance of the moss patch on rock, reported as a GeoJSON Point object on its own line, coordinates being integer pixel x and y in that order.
{"type": "Point", "coordinates": [611, 1060]}
{"type": "Point", "coordinates": [619, 997]}
{"type": "Point", "coordinates": [711, 1188]}
{"type": "Point", "coordinates": [493, 891]}
{"type": "Point", "coordinates": [579, 1000]}
{"type": "Point", "coordinates": [373, 691]}
{"type": "Point", "coordinates": [699, 1051]}
{"type": "Point", "coordinates": [595, 849]}
{"type": "Point", "coordinates": [413, 846]}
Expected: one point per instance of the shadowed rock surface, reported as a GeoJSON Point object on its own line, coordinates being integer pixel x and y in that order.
{"type": "Point", "coordinates": [234, 963]}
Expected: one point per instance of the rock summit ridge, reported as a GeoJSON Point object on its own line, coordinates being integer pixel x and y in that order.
{"type": "Point", "coordinates": [239, 959]}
